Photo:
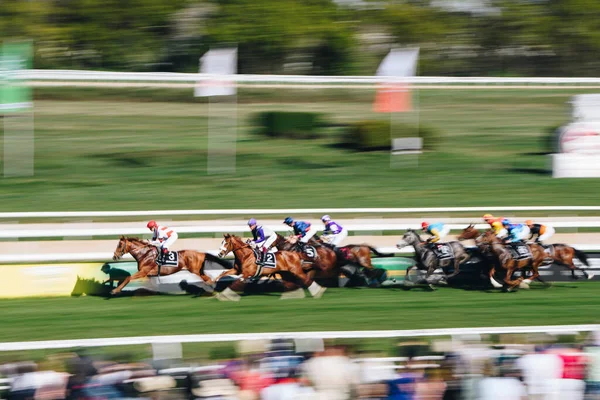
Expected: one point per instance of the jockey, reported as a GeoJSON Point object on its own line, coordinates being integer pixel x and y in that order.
{"type": "Point", "coordinates": [516, 232]}
{"type": "Point", "coordinates": [163, 238]}
{"type": "Point", "coordinates": [334, 233]}
{"type": "Point", "coordinates": [496, 225]}
{"type": "Point", "coordinates": [302, 229]}
{"type": "Point", "coordinates": [543, 232]}
{"type": "Point", "coordinates": [263, 239]}
{"type": "Point", "coordinates": [437, 231]}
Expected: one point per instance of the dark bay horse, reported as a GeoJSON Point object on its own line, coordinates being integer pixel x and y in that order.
{"type": "Point", "coordinates": [428, 260]}
{"type": "Point", "coordinates": [329, 261]}
{"type": "Point", "coordinates": [289, 266]}
{"type": "Point", "coordinates": [145, 255]}
{"type": "Point", "coordinates": [561, 254]}
{"type": "Point", "coordinates": [489, 242]}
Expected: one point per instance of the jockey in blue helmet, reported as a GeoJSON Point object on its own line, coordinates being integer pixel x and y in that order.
{"type": "Point", "coordinates": [516, 232]}
{"type": "Point", "coordinates": [302, 229]}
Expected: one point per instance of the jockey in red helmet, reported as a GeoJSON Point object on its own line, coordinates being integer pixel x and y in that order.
{"type": "Point", "coordinates": [162, 238]}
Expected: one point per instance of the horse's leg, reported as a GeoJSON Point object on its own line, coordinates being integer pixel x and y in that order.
{"type": "Point", "coordinates": [568, 262]}
{"type": "Point", "coordinates": [293, 287]}
{"type": "Point", "coordinates": [229, 294]}
{"type": "Point", "coordinates": [137, 275]}
{"type": "Point", "coordinates": [228, 272]}
{"type": "Point", "coordinates": [313, 287]}
{"type": "Point", "coordinates": [432, 267]}
{"type": "Point", "coordinates": [512, 283]}
{"type": "Point", "coordinates": [492, 280]}
{"type": "Point", "coordinates": [457, 262]}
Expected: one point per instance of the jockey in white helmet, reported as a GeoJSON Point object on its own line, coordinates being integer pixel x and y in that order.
{"type": "Point", "coordinates": [334, 233]}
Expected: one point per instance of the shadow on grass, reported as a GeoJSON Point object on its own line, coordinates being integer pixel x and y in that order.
{"type": "Point", "coordinates": [531, 171]}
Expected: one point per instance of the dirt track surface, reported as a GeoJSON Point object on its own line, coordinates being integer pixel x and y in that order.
{"type": "Point", "coordinates": [91, 246]}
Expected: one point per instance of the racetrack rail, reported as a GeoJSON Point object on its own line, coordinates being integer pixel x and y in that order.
{"type": "Point", "coordinates": [231, 337]}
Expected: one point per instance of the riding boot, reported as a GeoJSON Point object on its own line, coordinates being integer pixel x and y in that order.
{"type": "Point", "coordinates": [262, 256]}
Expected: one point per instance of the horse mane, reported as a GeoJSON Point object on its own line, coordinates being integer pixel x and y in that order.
{"type": "Point", "coordinates": [133, 239]}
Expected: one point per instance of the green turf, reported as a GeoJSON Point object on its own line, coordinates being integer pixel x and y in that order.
{"type": "Point", "coordinates": [116, 154]}
{"type": "Point", "coordinates": [339, 309]}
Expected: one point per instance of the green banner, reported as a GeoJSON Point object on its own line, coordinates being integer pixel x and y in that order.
{"type": "Point", "coordinates": [15, 95]}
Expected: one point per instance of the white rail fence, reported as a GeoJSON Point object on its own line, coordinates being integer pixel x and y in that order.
{"type": "Point", "coordinates": [218, 229]}
{"type": "Point", "coordinates": [104, 76]}
{"type": "Point", "coordinates": [233, 337]}
{"type": "Point", "coordinates": [157, 213]}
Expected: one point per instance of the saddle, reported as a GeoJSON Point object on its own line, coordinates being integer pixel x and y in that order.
{"type": "Point", "coordinates": [443, 251]}
{"type": "Point", "coordinates": [519, 251]}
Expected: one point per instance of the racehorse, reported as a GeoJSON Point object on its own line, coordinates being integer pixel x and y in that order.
{"type": "Point", "coordinates": [322, 265]}
{"type": "Point", "coordinates": [489, 242]}
{"type": "Point", "coordinates": [559, 253]}
{"type": "Point", "coordinates": [330, 260]}
{"type": "Point", "coordinates": [288, 265]}
{"type": "Point", "coordinates": [145, 254]}
{"type": "Point", "coordinates": [428, 260]}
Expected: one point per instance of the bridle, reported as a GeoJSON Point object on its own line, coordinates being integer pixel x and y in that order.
{"type": "Point", "coordinates": [233, 250]}
{"type": "Point", "coordinates": [123, 248]}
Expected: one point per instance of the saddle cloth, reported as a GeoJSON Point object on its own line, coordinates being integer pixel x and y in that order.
{"type": "Point", "coordinates": [310, 251]}
{"type": "Point", "coordinates": [171, 259]}
{"type": "Point", "coordinates": [443, 251]}
{"type": "Point", "coordinates": [519, 251]}
{"type": "Point", "coordinates": [270, 260]}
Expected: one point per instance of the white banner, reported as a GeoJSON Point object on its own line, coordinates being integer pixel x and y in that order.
{"type": "Point", "coordinates": [399, 63]}
{"type": "Point", "coordinates": [217, 62]}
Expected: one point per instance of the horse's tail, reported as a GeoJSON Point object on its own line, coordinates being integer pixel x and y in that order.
{"type": "Point", "coordinates": [378, 254]}
{"type": "Point", "coordinates": [581, 256]}
{"type": "Point", "coordinates": [224, 263]}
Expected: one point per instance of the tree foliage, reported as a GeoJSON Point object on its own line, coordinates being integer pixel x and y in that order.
{"type": "Point", "coordinates": [522, 37]}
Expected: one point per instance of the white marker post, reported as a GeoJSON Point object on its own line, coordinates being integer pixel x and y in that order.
{"type": "Point", "coordinates": [222, 112]}
{"type": "Point", "coordinates": [16, 108]}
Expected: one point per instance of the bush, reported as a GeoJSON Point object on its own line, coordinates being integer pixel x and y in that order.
{"type": "Point", "coordinates": [295, 125]}
{"type": "Point", "coordinates": [376, 135]}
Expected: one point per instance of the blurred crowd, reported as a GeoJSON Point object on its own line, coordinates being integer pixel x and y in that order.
{"type": "Point", "coordinates": [466, 367]}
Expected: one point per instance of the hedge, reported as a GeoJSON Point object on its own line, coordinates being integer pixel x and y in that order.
{"type": "Point", "coordinates": [377, 135]}
{"type": "Point", "coordinates": [295, 125]}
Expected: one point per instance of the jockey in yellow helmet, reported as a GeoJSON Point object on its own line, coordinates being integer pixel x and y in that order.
{"type": "Point", "coordinates": [496, 225]}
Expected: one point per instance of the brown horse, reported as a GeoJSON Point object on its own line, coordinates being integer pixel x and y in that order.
{"type": "Point", "coordinates": [490, 242]}
{"type": "Point", "coordinates": [288, 265]}
{"type": "Point", "coordinates": [329, 261]}
{"type": "Point", "coordinates": [559, 253]}
{"type": "Point", "coordinates": [145, 254]}
{"type": "Point", "coordinates": [321, 265]}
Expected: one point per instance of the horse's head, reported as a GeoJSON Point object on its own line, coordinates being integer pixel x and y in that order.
{"type": "Point", "coordinates": [410, 238]}
{"type": "Point", "coordinates": [468, 233]}
{"type": "Point", "coordinates": [122, 248]}
{"type": "Point", "coordinates": [229, 244]}
{"type": "Point", "coordinates": [489, 238]}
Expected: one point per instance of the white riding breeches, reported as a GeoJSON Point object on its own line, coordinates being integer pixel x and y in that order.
{"type": "Point", "coordinates": [337, 238]}
{"type": "Point", "coordinates": [502, 234]}
{"type": "Point", "coordinates": [311, 232]}
{"type": "Point", "coordinates": [267, 242]}
{"type": "Point", "coordinates": [444, 232]}
{"type": "Point", "coordinates": [549, 232]}
{"type": "Point", "coordinates": [169, 242]}
{"type": "Point", "coordinates": [523, 234]}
